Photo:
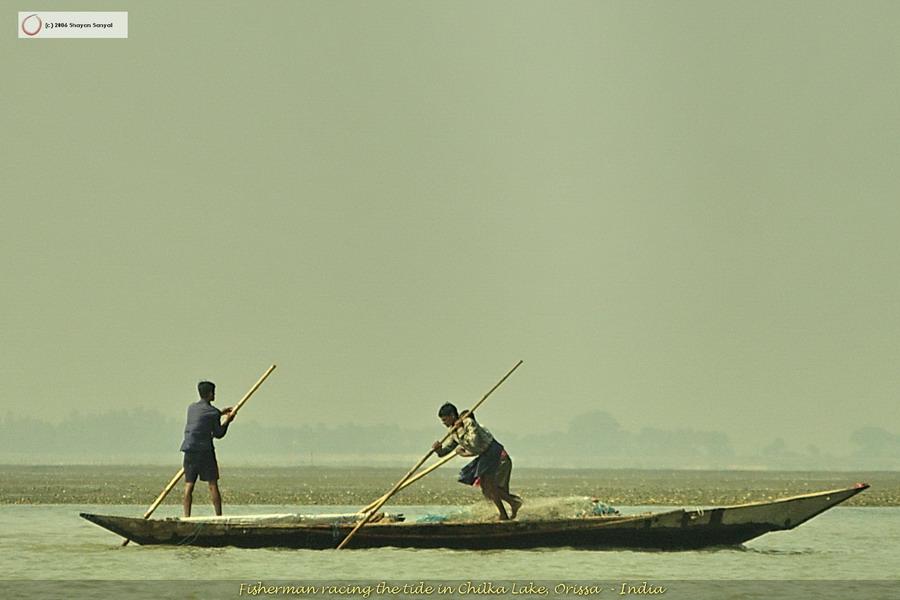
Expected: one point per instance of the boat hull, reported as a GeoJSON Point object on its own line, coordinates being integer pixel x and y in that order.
{"type": "Point", "coordinates": [673, 530]}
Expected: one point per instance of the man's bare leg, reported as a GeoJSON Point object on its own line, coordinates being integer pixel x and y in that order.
{"type": "Point", "coordinates": [503, 473]}
{"type": "Point", "coordinates": [515, 503]}
{"type": "Point", "coordinates": [216, 497]}
{"type": "Point", "coordinates": [490, 491]}
{"type": "Point", "coordinates": [188, 498]}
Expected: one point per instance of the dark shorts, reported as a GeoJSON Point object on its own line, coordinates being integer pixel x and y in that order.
{"type": "Point", "coordinates": [492, 461]}
{"type": "Point", "coordinates": [200, 464]}
{"type": "Point", "coordinates": [503, 472]}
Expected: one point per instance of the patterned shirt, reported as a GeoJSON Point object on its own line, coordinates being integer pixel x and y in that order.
{"type": "Point", "coordinates": [470, 436]}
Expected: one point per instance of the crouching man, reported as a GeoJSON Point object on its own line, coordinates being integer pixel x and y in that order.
{"type": "Point", "coordinates": [491, 467]}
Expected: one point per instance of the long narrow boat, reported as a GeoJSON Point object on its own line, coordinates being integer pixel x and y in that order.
{"type": "Point", "coordinates": [673, 530]}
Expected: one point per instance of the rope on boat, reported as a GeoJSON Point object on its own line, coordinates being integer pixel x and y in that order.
{"type": "Point", "coordinates": [192, 537]}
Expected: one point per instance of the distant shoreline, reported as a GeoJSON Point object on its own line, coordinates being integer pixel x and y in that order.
{"type": "Point", "coordinates": [338, 485]}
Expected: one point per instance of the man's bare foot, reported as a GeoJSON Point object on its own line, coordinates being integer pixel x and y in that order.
{"type": "Point", "coordinates": [514, 507]}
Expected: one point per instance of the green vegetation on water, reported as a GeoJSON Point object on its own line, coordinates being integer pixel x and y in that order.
{"type": "Point", "coordinates": [120, 484]}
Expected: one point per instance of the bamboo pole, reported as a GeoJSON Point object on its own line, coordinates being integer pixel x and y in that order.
{"type": "Point", "coordinates": [443, 461]}
{"type": "Point", "coordinates": [380, 502]}
{"type": "Point", "coordinates": [180, 473]}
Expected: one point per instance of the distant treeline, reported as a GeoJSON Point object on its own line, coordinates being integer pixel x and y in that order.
{"type": "Point", "coordinates": [593, 439]}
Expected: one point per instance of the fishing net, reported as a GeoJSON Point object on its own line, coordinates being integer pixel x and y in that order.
{"type": "Point", "coordinates": [534, 509]}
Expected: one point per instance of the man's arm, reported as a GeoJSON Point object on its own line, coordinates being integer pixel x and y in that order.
{"type": "Point", "coordinates": [443, 450]}
{"type": "Point", "coordinates": [220, 428]}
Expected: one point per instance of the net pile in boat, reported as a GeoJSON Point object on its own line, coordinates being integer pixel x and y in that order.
{"type": "Point", "coordinates": [534, 509]}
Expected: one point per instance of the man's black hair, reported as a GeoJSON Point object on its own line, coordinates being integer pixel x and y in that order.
{"type": "Point", "coordinates": [448, 410]}
{"type": "Point", "coordinates": [206, 389]}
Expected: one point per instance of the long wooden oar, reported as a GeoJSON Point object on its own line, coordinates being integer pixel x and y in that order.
{"type": "Point", "coordinates": [400, 483]}
{"type": "Point", "coordinates": [443, 461]}
{"type": "Point", "coordinates": [180, 473]}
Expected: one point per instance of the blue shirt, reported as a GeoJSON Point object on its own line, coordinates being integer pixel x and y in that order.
{"type": "Point", "coordinates": [203, 424]}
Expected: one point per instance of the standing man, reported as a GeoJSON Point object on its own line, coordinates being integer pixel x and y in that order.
{"type": "Point", "coordinates": [492, 466]}
{"type": "Point", "coordinates": [204, 422]}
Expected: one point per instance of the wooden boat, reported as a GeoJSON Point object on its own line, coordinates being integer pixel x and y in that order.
{"type": "Point", "coordinates": [672, 530]}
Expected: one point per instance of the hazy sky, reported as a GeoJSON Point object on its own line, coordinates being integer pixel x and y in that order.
{"type": "Point", "coordinates": [685, 214]}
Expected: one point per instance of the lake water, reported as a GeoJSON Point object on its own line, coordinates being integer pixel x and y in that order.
{"type": "Point", "coordinates": [49, 551]}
